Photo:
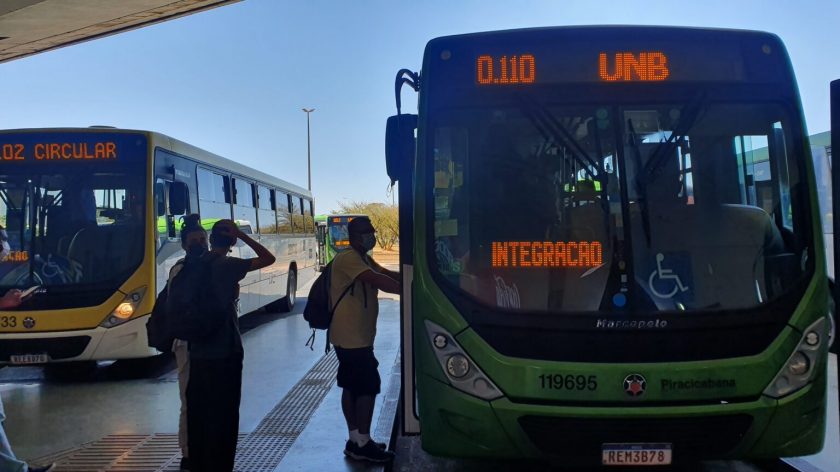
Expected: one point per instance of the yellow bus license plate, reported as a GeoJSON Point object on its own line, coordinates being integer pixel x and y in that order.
{"type": "Point", "coordinates": [636, 454]}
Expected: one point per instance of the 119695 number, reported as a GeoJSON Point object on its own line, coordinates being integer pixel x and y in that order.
{"type": "Point", "coordinates": [568, 382]}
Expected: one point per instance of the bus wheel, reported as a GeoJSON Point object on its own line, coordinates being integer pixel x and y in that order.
{"type": "Point", "coordinates": [287, 303]}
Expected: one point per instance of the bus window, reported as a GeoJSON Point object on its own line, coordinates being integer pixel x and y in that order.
{"type": "Point", "coordinates": [284, 213]}
{"type": "Point", "coordinates": [168, 223]}
{"type": "Point", "coordinates": [265, 214]}
{"type": "Point", "coordinates": [309, 217]}
{"type": "Point", "coordinates": [779, 156]}
{"type": "Point", "coordinates": [297, 215]}
{"type": "Point", "coordinates": [244, 209]}
{"type": "Point", "coordinates": [160, 200]}
{"type": "Point", "coordinates": [110, 205]}
{"type": "Point", "coordinates": [213, 195]}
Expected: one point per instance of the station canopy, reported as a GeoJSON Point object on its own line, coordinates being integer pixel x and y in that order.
{"type": "Point", "coordinates": [29, 27]}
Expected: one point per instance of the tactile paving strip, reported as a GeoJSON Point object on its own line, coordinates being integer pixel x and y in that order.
{"type": "Point", "coordinates": [264, 448]}
{"type": "Point", "coordinates": [260, 451]}
{"type": "Point", "coordinates": [122, 453]}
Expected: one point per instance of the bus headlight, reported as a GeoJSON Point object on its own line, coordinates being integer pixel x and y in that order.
{"type": "Point", "coordinates": [801, 366]}
{"type": "Point", "coordinates": [457, 366]}
{"type": "Point", "coordinates": [125, 310]}
{"type": "Point", "coordinates": [462, 372]}
{"type": "Point", "coordinates": [798, 364]}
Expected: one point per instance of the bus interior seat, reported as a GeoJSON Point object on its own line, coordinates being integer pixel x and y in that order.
{"type": "Point", "coordinates": [99, 250]}
{"type": "Point", "coordinates": [722, 244]}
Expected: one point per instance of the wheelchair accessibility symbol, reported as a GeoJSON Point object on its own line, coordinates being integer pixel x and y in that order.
{"type": "Point", "coordinates": [663, 277]}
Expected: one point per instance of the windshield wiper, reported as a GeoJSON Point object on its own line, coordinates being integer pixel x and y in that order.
{"type": "Point", "coordinates": [551, 129]}
{"type": "Point", "coordinates": [548, 125]}
{"type": "Point", "coordinates": [641, 187]}
{"type": "Point", "coordinates": [647, 174]}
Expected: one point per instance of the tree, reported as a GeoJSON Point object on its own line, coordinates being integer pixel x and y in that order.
{"type": "Point", "coordinates": [385, 219]}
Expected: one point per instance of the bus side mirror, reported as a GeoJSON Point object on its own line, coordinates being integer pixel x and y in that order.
{"type": "Point", "coordinates": [400, 146]}
{"type": "Point", "coordinates": [178, 196]}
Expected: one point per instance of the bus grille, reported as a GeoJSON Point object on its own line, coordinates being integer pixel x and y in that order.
{"type": "Point", "coordinates": [693, 438]}
{"type": "Point", "coordinates": [56, 348]}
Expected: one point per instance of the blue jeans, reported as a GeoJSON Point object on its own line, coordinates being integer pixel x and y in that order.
{"type": "Point", "coordinates": [8, 461]}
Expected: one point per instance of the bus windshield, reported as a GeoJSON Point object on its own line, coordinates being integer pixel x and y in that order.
{"type": "Point", "coordinates": [683, 206]}
{"type": "Point", "coordinates": [339, 238]}
{"type": "Point", "coordinates": [72, 227]}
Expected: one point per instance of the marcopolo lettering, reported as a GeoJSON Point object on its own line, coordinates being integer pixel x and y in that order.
{"type": "Point", "coordinates": [631, 324]}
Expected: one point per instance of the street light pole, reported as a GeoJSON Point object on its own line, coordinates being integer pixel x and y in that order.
{"type": "Point", "coordinates": [308, 151]}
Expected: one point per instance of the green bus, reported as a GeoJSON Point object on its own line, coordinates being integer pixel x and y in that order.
{"type": "Point", "coordinates": [331, 232]}
{"type": "Point", "coordinates": [673, 308]}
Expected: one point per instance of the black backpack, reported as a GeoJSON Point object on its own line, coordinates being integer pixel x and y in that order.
{"type": "Point", "coordinates": [157, 330]}
{"type": "Point", "coordinates": [318, 311]}
{"type": "Point", "coordinates": [192, 310]}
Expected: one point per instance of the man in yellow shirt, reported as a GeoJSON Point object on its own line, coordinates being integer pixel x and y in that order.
{"type": "Point", "coordinates": [352, 332]}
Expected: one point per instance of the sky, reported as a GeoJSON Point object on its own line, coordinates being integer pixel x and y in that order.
{"type": "Point", "coordinates": [233, 80]}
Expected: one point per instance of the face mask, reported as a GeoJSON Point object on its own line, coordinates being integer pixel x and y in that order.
{"type": "Point", "coordinates": [196, 250]}
{"type": "Point", "coordinates": [368, 241]}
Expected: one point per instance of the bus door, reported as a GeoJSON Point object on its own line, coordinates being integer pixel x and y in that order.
{"type": "Point", "coordinates": [835, 196]}
{"type": "Point", "coordinates": [400, 150]}
{"type": "Point", "coordinates": [321, 237]}
{"type": "Point", "coordinates": [171, 203]}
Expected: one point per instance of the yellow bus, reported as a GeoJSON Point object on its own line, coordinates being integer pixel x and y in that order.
{"type": "Point", "coordinates": [92, 219]}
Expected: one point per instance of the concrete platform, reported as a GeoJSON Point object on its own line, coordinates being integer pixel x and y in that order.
{"type": "Point", "coordinates": [320, 445]}
{"type": "Point", "coordinates": [49, 410]}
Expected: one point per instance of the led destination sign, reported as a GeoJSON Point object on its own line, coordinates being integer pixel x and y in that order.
{"type": "Point", "coordinates": [651, 66]}
{"type": "Point", "coordinates": [506, 70]}
{"type": "Point", "coordinates": [533, 64]}
{"type": "Point", "coordinates": [44, 151]}
{"type": "Point", "coordinates": [621, 66]}
{"type": "Point", "coordinates": [546, 254]}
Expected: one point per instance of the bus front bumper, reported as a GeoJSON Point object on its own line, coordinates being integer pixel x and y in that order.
{"type": "Point", "coordinates": [458, 425]}
{"type": "Point", "coordinates": [124, 341]}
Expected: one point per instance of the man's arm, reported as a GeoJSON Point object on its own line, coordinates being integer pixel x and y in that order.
{"type": "Point", "coordinates": [382, 270]}
{"type": "Point", "coordinates": [264, 257]}
{"type": "Point", "coordinates": [11, 300]}
{"type": "Point", "coordinates": [381, 281]}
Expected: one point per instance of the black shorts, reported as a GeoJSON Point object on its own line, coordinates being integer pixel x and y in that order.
{"type": "Point", "coordinates": [357, 371]}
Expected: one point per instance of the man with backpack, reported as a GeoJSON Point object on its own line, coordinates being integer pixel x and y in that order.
{"type": "Point", "coordinates": [201, 307]}
{"type": "Point", "coordinates": [355, 281]}
{"type": "Point", "coordinates": [194, 244]}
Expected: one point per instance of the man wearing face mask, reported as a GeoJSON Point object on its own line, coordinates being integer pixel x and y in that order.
{"type": "Point", "coordinates": [215, 377]}
{"type": "Point", "coordinates": [352, 332]}
{"type": "Point", "coordinates": [194, 243]}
